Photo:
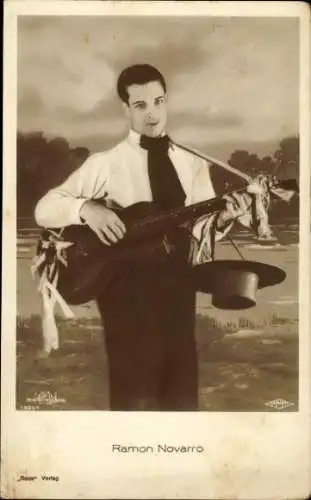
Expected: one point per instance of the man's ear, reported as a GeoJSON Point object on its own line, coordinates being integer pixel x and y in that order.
{"type": "Point", "coordinates": [126, 108]}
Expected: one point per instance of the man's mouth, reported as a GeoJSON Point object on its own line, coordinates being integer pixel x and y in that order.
{"type": "Point", "coordinates": [152, 124]}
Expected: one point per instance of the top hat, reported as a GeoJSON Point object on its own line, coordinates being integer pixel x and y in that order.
{"type": "Point", "coordinates": [233, 284]}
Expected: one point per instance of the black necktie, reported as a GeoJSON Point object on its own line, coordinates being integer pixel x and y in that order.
{"type": "Point", "coordinates": [167, 191]}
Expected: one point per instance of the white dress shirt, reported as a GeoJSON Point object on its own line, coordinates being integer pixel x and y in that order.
{"type": "Point", "coordinates": [121, 174]}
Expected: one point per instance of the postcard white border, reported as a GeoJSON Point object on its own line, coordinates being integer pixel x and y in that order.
{"type": "Point", "coordinates": [248, 455]}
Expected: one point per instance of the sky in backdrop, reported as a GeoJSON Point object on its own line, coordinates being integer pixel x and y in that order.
{"type": "Point", "coordinates": [233, 83]}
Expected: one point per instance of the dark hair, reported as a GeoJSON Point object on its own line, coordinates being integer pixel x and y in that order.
{"type": "Point", "coordinates": [138, 74]}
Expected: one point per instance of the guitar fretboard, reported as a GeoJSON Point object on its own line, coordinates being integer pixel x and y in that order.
{"type": "Point", "coordinates": [177, 216]}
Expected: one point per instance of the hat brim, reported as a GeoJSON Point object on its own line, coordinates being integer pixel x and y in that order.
{"type": "Point", "coordinates": [205, 275]}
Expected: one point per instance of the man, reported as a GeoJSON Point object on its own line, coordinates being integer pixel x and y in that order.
{"type": "Point", "coordinates": [149, 313]}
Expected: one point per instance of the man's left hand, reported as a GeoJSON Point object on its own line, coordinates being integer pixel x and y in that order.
{"type": "Point", "coordinates": [236, 207]}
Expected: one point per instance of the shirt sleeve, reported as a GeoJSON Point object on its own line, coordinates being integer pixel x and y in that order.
{"type": "Point", "coordinates": [202, 186]}
{"type": "Point", "coordinates": [61, 205]}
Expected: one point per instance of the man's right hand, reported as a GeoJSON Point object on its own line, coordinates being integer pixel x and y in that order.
{"type": "Point", "coordinates": [103, 221]}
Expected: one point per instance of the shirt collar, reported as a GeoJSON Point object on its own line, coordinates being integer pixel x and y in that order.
{"type": "Point", "coordinates": [134, 138]}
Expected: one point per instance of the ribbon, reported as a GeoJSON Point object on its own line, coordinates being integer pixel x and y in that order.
{"type": "Point", "coordinates": [50, 253]}
{"type": "Point", "coordinates": [254, 203]}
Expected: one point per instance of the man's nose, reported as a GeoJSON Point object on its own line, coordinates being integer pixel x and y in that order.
{"type": "Point", "coordinates": [151, 115]}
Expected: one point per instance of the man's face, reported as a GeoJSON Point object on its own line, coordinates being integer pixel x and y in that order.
{"type": "Point", "coordinates": [147, 108]}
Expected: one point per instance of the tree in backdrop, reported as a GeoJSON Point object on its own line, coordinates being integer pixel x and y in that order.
{"type": "Point", "coordinates": [42, 164]}
{"type": "Point", "coordinates": [287, 158]}
{"type": "Point", "coordinates": [284, 163]}
{"type": "Point", "coordinates": [287, 162]}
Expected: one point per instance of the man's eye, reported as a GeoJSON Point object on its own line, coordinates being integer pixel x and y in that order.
{"type": "Point", "coordinates": [140, 106]}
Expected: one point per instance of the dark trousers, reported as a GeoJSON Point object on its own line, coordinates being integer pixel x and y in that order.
{"type": "Point", "coordinates": [149, 323]}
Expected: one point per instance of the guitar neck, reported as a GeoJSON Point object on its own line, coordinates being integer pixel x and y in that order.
{"type": "Point", "coordinates": [178, 216]}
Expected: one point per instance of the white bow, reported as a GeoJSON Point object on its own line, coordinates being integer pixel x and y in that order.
{"type": "Point", "coordinates": [49, 293]}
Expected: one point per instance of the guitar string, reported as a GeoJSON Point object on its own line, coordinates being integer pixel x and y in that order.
{"type": "Point", "coordinates": [235, 245]}
{"type": "Point", "coordinates": [154, 218]}
{"type": "Point", "coordinates": [149, 220]}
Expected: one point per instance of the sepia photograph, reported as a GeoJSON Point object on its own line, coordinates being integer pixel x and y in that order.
{"type": "Point", "coordinates": [110, 208]}
{"type": "Point", "coordinates": [156, 200]}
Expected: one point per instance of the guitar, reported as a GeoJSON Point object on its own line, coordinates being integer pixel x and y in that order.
{"type": "Point", "coordinates": [90, 265]}
{"type": "Point", "coordinates": [149, 238]}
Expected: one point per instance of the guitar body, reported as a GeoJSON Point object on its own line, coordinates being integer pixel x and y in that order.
{"type": "Point", "coordinates": [91, 265]}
